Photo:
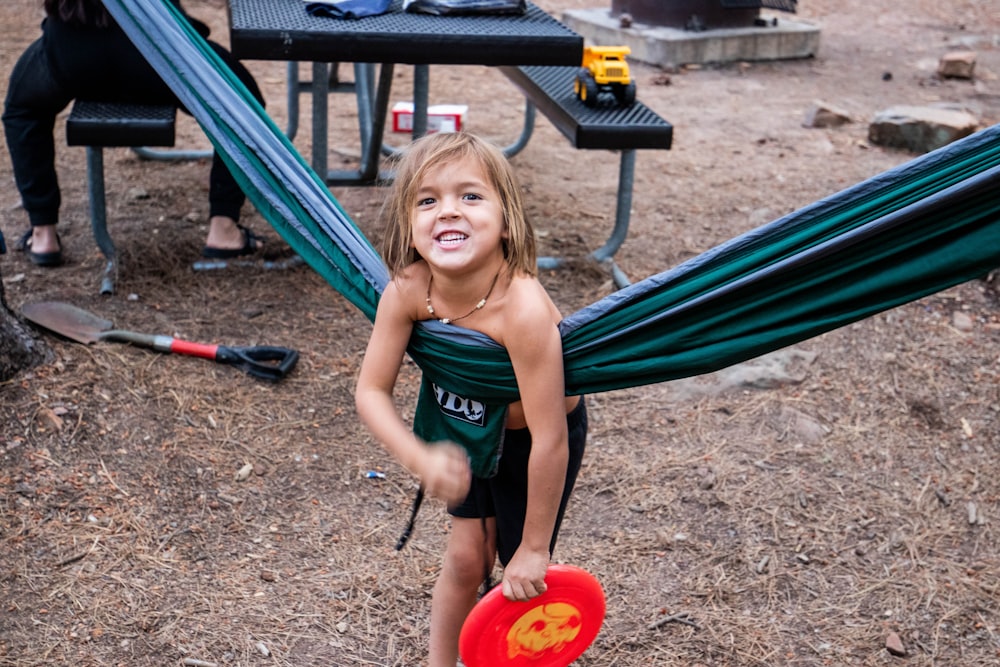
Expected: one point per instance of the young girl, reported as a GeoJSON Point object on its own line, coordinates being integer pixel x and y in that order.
{"type": "Point", "coordinates": [459, 250]}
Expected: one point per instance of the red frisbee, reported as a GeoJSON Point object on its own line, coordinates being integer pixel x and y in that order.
{"type": "Point", "coordinates": [551, 630]}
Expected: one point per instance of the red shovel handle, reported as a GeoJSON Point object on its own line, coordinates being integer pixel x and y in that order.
{"type": "Point", "coordinates": [263, 361]}
{"type": "Point", "coordinates": [203, 350]}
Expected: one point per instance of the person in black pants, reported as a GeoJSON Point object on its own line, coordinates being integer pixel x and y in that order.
{"type": "Point", "coordinates": [82, 53]}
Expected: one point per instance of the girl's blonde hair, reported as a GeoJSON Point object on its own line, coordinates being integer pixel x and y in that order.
{"type": "Point", "coordinates": [431, 151]}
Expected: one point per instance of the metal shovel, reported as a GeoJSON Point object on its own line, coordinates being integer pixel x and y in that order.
{"type": "Point", "coordinates": [263, 361]}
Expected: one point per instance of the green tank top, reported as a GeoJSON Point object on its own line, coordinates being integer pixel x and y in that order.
{"type": "Point", "coordinates": [477, 426]}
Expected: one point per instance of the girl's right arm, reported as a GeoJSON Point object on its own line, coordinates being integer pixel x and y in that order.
{"type": "Point", "coordinates": [443, 469]}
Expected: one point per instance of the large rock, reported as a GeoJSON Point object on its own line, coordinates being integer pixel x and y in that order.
{"type": "Point", "coordinates": [920, 129]}
{"type": "Point", "coordinates": [957, 65]}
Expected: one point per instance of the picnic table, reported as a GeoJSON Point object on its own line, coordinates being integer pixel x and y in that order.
{"type": "Point", "coordinates": [284, 30]}
{"type": "Point", "coordinates": [535, 51]}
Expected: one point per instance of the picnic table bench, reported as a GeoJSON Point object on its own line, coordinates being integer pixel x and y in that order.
{"type": "Point", "coordinates": [605, 125]}
{"type": "Point", "coordinates": [103, 124]}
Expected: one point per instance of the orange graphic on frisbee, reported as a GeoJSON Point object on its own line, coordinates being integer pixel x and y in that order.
{"type": "Point", "coordinates": [548, 627]}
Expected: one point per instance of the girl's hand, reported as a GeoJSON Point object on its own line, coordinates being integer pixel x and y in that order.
{"type": "Point", "coordinates": [445, 472]}
{"type": "Point", "coordinates": [524, 576]}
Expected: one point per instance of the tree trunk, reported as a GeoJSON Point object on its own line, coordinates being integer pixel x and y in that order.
{"type": "Point", "coordinates": [19, 348]}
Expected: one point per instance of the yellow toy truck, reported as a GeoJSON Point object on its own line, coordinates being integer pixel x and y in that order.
{"type": "Point", "coordinates": [604, 70]}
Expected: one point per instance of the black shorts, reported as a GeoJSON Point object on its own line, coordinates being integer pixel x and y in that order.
{"type": "Point", "coordinates": [505, 495]}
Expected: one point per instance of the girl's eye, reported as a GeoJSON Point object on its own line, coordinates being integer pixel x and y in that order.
{"type": "Point", "coordinates": [471, 195]}
{"type": "Point", "coordinates": [426, 201]}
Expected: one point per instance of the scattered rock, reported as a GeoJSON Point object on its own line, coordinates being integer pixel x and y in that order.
{"type": "Point", "coordinates": [962, 321]}
{"type": "Point", "coordinates": [822, 114]}
{"type": "Point", "coordinates": [783, 367]}
{"type": "Point", "coordinates": [253, 312]}
{"type": "Point", "coordinates": [808, 429]}
{"type": "Point", "coordinates": [920, 129]}
{"type": "Point", "coordinates": [780, 368]}
{"type": "Point", "coordinates": [24, 490]}
{"type": "Point", "coordinates": [957, 65]}
{"type": "Point", "coordinates": [50, 419]}
{"type": "Point", "coordinates": [243, 473]}
{"type": "Point", "coordinates": [894, 645]}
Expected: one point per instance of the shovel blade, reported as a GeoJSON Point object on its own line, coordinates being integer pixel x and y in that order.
{"type": "Point", "coordinates": [67, 320]}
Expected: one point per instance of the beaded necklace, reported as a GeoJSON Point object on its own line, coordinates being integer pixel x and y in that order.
{"type": "Point", "coordinates": [449, 320]}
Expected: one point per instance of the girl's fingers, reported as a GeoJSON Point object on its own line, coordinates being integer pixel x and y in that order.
{"type": "Point", "coordinates": [448, 477]}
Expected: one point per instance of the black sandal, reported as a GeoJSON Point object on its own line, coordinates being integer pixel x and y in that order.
{"type": "Point", "coordinates": [47, 259]}
{"type": "Point", "coordinates": [251, 244]}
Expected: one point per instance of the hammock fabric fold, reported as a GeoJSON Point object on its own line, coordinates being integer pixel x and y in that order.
{"type": "Point", "coordinates": [922, 227]}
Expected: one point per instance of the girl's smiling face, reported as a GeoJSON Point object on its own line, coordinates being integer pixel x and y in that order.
{"type": "Point", "coordinates": [457, 218]}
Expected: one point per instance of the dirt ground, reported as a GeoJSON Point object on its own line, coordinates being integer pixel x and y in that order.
{"type": "Point", "coordinates": [805, 520]}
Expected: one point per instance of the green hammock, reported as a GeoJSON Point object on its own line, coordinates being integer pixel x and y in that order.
{"type": "Point", "coordinates": [914, 230]}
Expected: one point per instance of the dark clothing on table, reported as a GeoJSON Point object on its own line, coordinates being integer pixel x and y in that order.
{"type": "Point", "coordinates": [70, 61]}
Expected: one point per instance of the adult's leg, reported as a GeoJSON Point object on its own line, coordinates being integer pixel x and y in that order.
{"type": "Point", "coordinates": [470, 554]}
{"type": "Point", "coordinates": [225, 197]}
{"type": "Point", "coordinates": [34, 99]}
{"type": "Point", "coordinates": [130, 78]}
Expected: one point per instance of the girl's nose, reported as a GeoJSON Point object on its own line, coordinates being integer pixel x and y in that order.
{"type": "Point", "coordinates": [449, 208]}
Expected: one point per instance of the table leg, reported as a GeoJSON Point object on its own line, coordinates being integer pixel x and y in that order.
{"type": "Point", "coordinates": [364, 83]}
{"type": "Point", "coordinates": [605, 254]}
{"type": "Point", "coordinates": [526, 131]}
{"type": "Point", "coordinates": [294, 90]}
{"type": "Point", "coordinates": [626, 181]}
{"type": "Point", "coordinates": [373, 130]}
{"type": "Point", "coordinates": [320, 111]}
{"type": "Point", "coordinates": [421, 88]}
{"type": "Point", "coordinates": [379, 112]}
{"type": "Point", "coordinates": [98, 217]}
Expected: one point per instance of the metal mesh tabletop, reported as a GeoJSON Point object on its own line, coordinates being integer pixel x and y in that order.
{"type": "Point", "coordinates": [283, 30]}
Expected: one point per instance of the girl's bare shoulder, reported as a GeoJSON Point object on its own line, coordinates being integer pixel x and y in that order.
{"type": "Point", "coordinates": [528, 303]}
{"type": "Point", "coordinates": [409, 288]}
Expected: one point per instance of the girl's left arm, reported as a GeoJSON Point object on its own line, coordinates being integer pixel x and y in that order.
{"type": "Point", "coordinates": [534, 344]}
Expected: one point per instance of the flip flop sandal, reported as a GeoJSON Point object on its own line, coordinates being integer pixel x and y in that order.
{"type": "Point", "coordinates": [251, 244]}
{"type": "Point", "coordinates": [47, 259]}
